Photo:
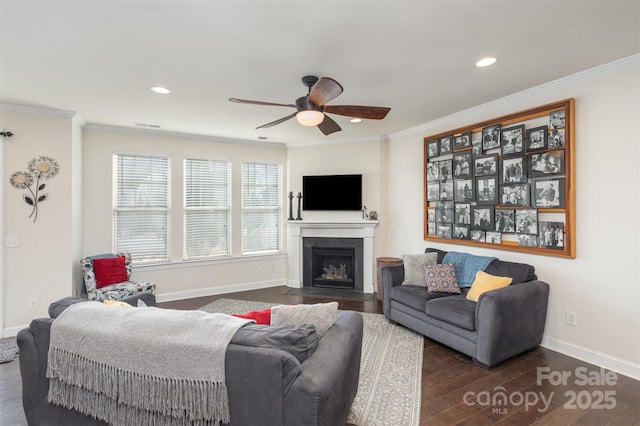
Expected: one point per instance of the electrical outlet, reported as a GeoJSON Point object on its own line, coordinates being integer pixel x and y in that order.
{"type": "Point", "coordinates": [572, 318]}
{"type": "Point", "coordinates": [11, 241]}
{"type": "Point", "coordinates": [32, 303]}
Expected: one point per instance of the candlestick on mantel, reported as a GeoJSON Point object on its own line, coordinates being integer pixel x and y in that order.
{"type": "Point", "coordinates": [290, 205]}
{"type": "Point", "coordinates": [299, 206]}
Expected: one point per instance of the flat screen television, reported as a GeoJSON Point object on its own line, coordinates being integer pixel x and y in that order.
{"type": "Point", "coordinates": [332, 192]}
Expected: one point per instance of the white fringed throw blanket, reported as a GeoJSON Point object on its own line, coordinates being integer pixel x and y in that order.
{"type": "Point", "coordinates": [129, 366]}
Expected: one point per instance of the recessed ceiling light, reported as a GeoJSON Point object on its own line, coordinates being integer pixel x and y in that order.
{"type": "Point", "coordinates": [160, 89]}
{"type": "Point", "coordinates": [356, 120]}
{"type": "Point", "coordinates": [485, 62]}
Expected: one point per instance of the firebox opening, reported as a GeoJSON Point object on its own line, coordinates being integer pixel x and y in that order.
{"type": "Point", "coordinates": [332, 268]}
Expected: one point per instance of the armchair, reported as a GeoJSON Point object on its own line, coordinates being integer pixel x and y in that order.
{"type": "Point", "coordinates": [107, 277]}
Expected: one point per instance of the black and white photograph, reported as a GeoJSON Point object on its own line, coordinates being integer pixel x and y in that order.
{"type": "Point", "coordinates": [433, 171]}
{"type": "Point", "coordinates": [525, 240]}
{"type": "Point", "coordinates": [433, 191]}
{"type": "Point", "coordinates": [505, 221]}
{"type": "Point", "coordinates": [536, 139]}
{"type": "Point", "coordinates": [511, 140]}
{"type": "Point", "coordinates": [433, 148]}
{"type": "Point", "coordinates": [477, 235]}
{"type": "Point", "coordinates": [548, 193]}
{"type": "Point", "coordinates": [461, 232]}
{"type": "Point", "coordinates": [446, 167]}
{"type": "Point", "coordinates": [476, 147]}
{"type": "Point", "coordinates": [514, 169]}
{"type": "Point", "coordinates": [491, 137]}
{"type": "Point", "coordinates": [446, 190]}
{"type": "Point", "coordinates": [431, 215]}
{"type": "Point", "coordinates": [443, 231]}
{"type": "Point", "coordinates": [546, 163]}
{"type": "Point", "coordinates": [515, 195]}
{"type": "Point", "coordinates": [527, 221]}
{"type": "Point", "coordinates": [462, 164]}
{"type": "Point", "coordinates": [462, 141]}
{"type": "Point", "coordinates": [445, 145]}
{"type": "Point", "coordinates": [556, 119]}
{"type": "Point", "coordinates": [463, 213]}
{"type": "Point", "coordinates": [431, 228]}
{"type": "Point", "coordinates": [487, 191]}
{"type": "Point", "coordinates": [486, 165]}
{"type": "Point", "coordinates": [556, 139]}
{"type": "Point", "coordinates": [493, 237]}
{"type": "Point", "coordinates": [464, 192]}
{"type": "Point", "coordinates": [551, 235]}
{"type": "Point", "coordinates": [482, 218]}
{"type": "Point", "coordinates": [444, 212]}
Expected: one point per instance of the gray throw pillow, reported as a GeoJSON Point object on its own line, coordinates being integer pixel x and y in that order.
{"type": "Point", "coordinates": [414, 267]}
{"type": "Point", "coordinates": [300, 341]}
{"type": "Point", "coordinates": [322, 315]}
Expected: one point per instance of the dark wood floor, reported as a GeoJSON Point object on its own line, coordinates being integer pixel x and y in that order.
{"type": "Point", "coordinates": [454, 390]}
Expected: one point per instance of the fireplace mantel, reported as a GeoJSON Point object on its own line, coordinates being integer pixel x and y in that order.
{"type": "Point", "coordinates": [297, 230]}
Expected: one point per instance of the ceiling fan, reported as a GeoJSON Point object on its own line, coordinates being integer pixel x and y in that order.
{"type": "Point", "coordinates": [312, 108]}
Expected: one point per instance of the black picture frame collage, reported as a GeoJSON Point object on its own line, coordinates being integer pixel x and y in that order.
{"type": "Point", "coordinates": [494, 185]}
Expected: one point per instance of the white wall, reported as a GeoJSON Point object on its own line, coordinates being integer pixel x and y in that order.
{"type": "Point", "coordinates": [366, 157]}
{"type": "Point", "coordinates": [602, 284]}
{"type": "Point", "coordinates": [179, 279]}
{"type": "Point", "coordinates": [42, 267]}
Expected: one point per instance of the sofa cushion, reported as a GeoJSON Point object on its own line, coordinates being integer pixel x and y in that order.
{"type": "Point", "coordinates": [456, 310]}
{"type": "Point", "coordinates": [57, 307]}
{"type": "Point", "coordinates": [322, 315]}
{"type": "Point", "coordinates": [414, 267]}
{"type": "Point", "coordinates": [301, 341]}
{"type": "Point", "coordinates": [486, 282]}
{"type": "Point", "coordinates": [414, 296]}
{"type": "Point", "coordinates": [520, 272]}
{"type": "Point", "coordinates": [441, 278]}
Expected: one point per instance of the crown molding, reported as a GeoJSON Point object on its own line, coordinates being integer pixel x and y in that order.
{"type": "Point", "coordinates": [371, 139]}
{"type": "Point", "coordinates": [180, 135]}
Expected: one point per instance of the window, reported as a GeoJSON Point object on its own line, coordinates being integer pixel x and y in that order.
{"type": "Point", "coordinates": [141, 206]}
{"type": "Point", "coordinates": [260, 208]}
{"type": "Point", "coordinates": [206, 204]}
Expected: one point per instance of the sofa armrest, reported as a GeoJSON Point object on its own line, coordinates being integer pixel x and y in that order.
{"type": "Point", "coordinates": [327, 385]}
{"type": "Point", "coordinates": [510, 320]}
{"type": "Point", "coordinates": [392, 276]}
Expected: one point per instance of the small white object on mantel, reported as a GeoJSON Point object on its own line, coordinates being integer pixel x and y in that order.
{"type": "Point", "coordinates": [363, 229]}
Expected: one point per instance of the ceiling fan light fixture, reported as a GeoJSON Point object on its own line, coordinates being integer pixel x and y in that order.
{"type": "Point", "coordinates": [310, 117]}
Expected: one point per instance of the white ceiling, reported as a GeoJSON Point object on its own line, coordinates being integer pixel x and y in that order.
{"type": "Point", "coordinates": [100, 58]}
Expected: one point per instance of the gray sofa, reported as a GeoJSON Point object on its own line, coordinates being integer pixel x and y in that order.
{"type": "Point", "coordinates": [267, 385]}
{"type": "Point", "coordinates": [503, 323]}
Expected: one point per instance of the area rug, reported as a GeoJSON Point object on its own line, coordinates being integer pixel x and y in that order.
{"type": "Point", "coordinates": [8, 349]}
{"type": "Point", "coordinates": [389, 390]}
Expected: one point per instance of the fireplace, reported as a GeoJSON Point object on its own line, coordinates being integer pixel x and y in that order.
{"type": "Point", "coordinates": [333, 263]}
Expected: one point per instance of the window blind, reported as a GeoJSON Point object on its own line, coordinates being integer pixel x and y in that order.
{"type": "Point", "coordinates": [207, 208]}
{"type": "Point", "coordinates": [261, 218]}
{"type": "Point", "coordinates": [141, 206]}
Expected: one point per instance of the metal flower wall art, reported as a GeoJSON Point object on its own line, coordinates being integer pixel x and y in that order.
{"type": "Point", "coordinates": [39, 169]}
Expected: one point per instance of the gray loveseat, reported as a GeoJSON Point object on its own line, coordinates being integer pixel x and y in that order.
{"type": "Point", "coordinates": [503, 323]}
{"type": "Point", "coordinates": [266, 385]}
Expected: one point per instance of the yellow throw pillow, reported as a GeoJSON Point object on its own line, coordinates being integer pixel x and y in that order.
{"type": "Point", "coordinates": [486, 282]}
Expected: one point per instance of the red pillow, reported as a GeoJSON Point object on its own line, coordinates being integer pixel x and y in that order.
{"type": "Point", "coordinates": [110, 271]}
{"type": "Point", "coordinates": [260, 317]}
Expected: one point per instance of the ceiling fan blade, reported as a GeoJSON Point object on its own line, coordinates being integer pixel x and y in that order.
{"type": "Point", "coordinates": [281, 120]}
{"type": "Point", "coordinates": [359, 111]}
{"type": "Point", "coordinates": [247, 101]}
{"type": "Point", "coordinates": [328, 126]}
{"type": "Point", "coordinates": [324, 90]}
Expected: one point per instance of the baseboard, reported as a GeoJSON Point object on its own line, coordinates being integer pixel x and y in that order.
{"type": "Point", "coordinates": [13, 331]}
{"type": "Point", "coordinates": [600, 359]}
{"type": "Point", "coordinates": [212, 291]}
